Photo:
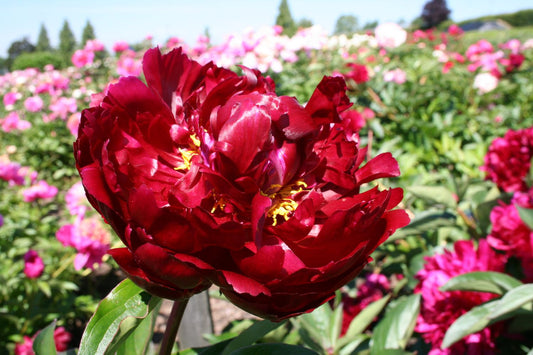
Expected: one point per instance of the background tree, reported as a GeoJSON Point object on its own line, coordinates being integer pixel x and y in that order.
{"type": "Point", "coordinates": [370, 25]}
{"type": "Point", "coordinates": [87, 34]}
{"type": "Point", "coordinates": [17, 48]}
{"type": "Point", "coordinates": [43, 42]}
{"type": "Point", "coordinates": [434, 12]}
{"type": "Point", "coordinates": [67, 41]}
{"type": "Point", "coordinates": [346, 24]}
{"type": "Point", "coordinates": [285, 19]}
{"type": "Point", "coordinates": [304, 23]}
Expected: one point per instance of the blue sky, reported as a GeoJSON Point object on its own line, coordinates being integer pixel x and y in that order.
{"type": "Point", "coordinates": [133, 20]}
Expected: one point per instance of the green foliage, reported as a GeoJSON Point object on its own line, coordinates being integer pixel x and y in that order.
{"type": "Point", "coordinates": [67, 41]}
{"type": "Point", "coordinates": [17, 48]}
{"type": "Point", "coordinates": [43, 42]}
{"type": "Point", "coordinates": [521, 18]}
{"type": "Point", "coordinates": [346, 24]}
{"type": "Point", "coordinates": [87, 34]}
{"type": "Point", "coordinates": [38, 60]}
{"type": "Point", "coordinates": [285, 20]}
{"type": "Point", "coordinates": [304, 23]}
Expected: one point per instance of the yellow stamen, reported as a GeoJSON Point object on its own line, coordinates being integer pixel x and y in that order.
{"type": "Point", "coordinates": [186, 155]}
{"type": "Point", "coordinates": [284, 205]}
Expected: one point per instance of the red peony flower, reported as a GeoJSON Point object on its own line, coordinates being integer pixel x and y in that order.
{"type": "Point", "coordinates": [508, 160]}
{"type": "Point", "coordinates": [440, 309]}
{"type": "Point", "coordinates": [210, 177]}
{"type": "Point", "coordinates": [358, 73]}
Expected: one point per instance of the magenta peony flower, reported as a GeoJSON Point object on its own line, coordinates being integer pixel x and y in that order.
{"type": "Point", "coordinates": [40, 190]}
{"type": "Point", "coordinates": [374, 288]}
{"type": "Point", "coordinates": [508, 160]}
{"type": "Point", "coordinates": [510, 234]}
{"type": "Point", "coordinates": [11, 98]}
{"type": "Point", "coordinates": [90, 239]}
{"type": "Point", "coordinates": [11, 172]}
{"type": "Point", "coordinates": [33, 264]}
{"type": "Point", "coordinates": [210, 177]}
{"type": "Point", "coordinates": [440, 309]}
{"type": "Point", "coordinates": [120, 46]}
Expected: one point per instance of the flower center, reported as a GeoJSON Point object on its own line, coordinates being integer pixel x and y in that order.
{"type": "Point", "coordinates": [188, 153]}
{"type": "Point", "coordinates": [284, 205]}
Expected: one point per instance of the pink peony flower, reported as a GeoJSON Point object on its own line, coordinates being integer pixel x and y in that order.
{"type": "Point", "coordinates": [390, 35]}
{"type": "Point", "coordinates": [62, 107]}
{"type": "Point", "coordinates": [76, 200]}
{"type": "Point", "coordinates": [25, 348]}
{"type": "Point", "coordinates": [485, 82]}
{"type": "Point", "coordinates": [440, 309]}
{"type": "Point", "coordinates": [33, 104]}
{"type": "Point", "coordinates": [128, 65]}
{"type": "Point", "coordinates": [11, 98]}
{"type": "Point", "coordinates": [120, 46]}
{"type": "Point", "coordinates": [33, 264]}
{"type": "Point", "coordinates": [509, 233]}
{"type": "Point", "coordinates": [61, 338]}
{"type": "Point", "coordinates": [94, 45]}
{"type": "Point", "coordinates": [508, 160]}
{"type": "Point", "coordinates": [455, 30]}
{"type": "Point", "coordinates": [82, 58]}
{"type": "Point", "coordinates": [40, 190]}
{"type": "Point", "coordinates": [90, 239]}
{"type": "Point", "coordinates": [13, 122]}
{"type": "Point", "coordinates": [397, 75]}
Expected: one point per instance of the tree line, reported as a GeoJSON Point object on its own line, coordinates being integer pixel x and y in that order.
{"type": "Point", "coordinates": [43, 51]}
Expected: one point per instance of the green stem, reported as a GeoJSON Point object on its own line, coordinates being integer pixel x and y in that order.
{"type": "Point", "coordinates": [173, 324]}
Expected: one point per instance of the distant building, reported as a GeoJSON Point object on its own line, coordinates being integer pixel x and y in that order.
{"type": "Point", "coordinates": [486, 25]}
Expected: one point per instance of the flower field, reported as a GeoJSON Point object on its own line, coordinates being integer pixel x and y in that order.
{"type": "Point", "coordinates": [414, 147]}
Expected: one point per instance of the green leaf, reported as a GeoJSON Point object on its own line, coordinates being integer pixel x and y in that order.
{"type": "Point", "coordinates": [395, 329]}
{"type": "Point", "coordinates": [469, 323]}
{"type": "Point", "coordinates": [482, 281]}
{"type": "Point", "coordinates": [349, 347]}
{"type": "Point", "coordinates": [215, 349]}
{"type": "Point", "coordinates": [315, 326]}
{"type": "Point", "coordinates": [251, 335]}
{"type": "Point", "coordinates": [139, 339]}
{"type": "Point", "coordinates": [363, 319]}
{"type": "Point", "coordinates": [273, 349]}
{"type": "Point", "coordinates": [513, 300]}
{"type": "Point", "coordinates": [436, 194]}
{"type": "Point", "coordinates": [44, 343]}
{"type": "Point", "coordinates": [526, 214]}
{"type": "Point", "coordinates": [425, 222]}
{"type": "Point", "coordinates": [116, 317]}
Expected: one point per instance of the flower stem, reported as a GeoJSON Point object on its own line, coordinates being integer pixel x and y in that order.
{"type": "Point", "coordinates": [173, 324]}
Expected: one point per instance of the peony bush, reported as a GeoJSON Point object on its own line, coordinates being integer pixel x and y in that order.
{"type": "Point", "coordinates": [363, 194]}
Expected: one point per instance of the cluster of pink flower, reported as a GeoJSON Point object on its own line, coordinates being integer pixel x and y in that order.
{"type": "Point", "coordinates": [85, 56]}
{"type": "Point", "coordinates": [507, 164]}
{"type": "Point", "coordinates": [493, 64]}
{"type": "Point", "coordinates": [87, 234]}
{"type": "Point", "coordinates": [47, 93]}
{"type": "Point", "coordinates": [17, 175]}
